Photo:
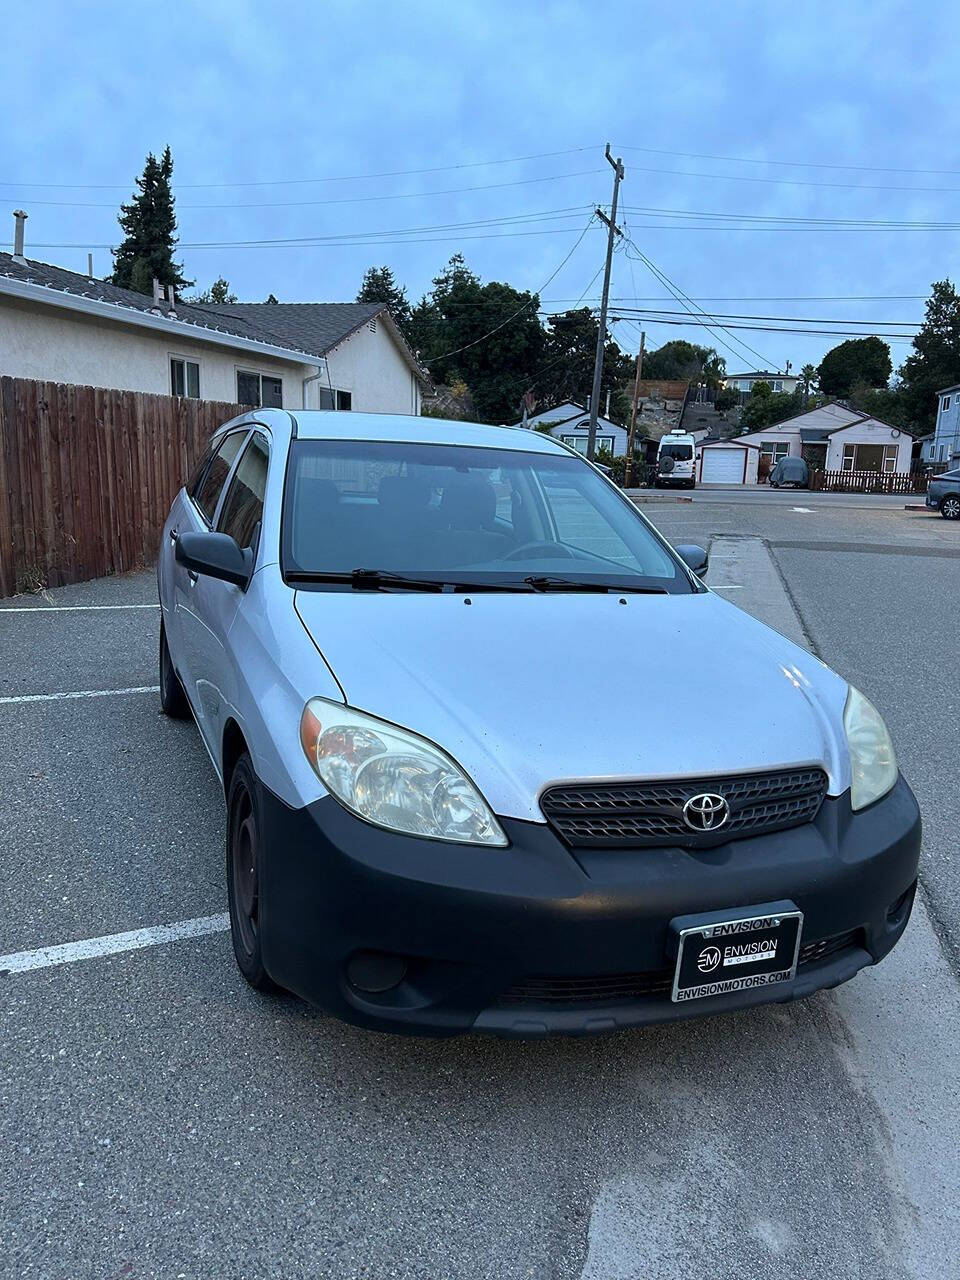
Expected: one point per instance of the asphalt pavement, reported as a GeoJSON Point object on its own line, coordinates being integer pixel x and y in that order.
{"type": "Point", "coordinates": [160, 1119]}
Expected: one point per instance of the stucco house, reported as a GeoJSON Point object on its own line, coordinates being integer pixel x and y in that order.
{"type": "Point", "coordinates": [835, 438]}
{"type": "Point", "coordinates": [945, 445]}
{"type": "Point", "coordinates": [570, 422]}
{"type": "Point", "coordinates": [61, 326]}
{"type": "Point", "coordinates": [745, 382]}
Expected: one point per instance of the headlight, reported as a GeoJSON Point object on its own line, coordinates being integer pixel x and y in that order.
{"type": "Point", "coordinates": [872, 760]}
{"type": "Point", "coordinates": [394, 778]}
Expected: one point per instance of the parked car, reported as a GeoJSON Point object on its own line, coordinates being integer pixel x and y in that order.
{"type": "Point", "coordinates": [790, 471]}
{"type": "Point", "coordinates": [943, 494]}
{"type": "Point", "coordinates": [438, 818]}
{"type": "Point", "coordinates": [676, 461]}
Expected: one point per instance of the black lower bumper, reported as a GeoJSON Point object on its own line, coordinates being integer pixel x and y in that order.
{"type": "Point", "coordinates": [418, 936]}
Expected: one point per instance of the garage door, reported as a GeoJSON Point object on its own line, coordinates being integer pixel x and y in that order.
{"type": "Point", "coordinates": [722, 466]}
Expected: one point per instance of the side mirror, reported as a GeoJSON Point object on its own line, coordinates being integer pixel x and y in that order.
{"type": "Point", "coordinates": [694, 558]}
{"type": "Point", "coordinates": [217, 555]}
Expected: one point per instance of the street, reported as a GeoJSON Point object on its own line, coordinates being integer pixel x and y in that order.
{"type": "Point", "coordinates": [160, 1119]}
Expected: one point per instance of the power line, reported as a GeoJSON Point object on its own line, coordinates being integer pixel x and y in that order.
{"type": "Point", "coordinates": [291, 182]}
{"type": "Point", "coordinates": [858, 223]}
{"type": "Point", "coordinates": [705, 322]}
{"type": "Point", "coordinates": [729, 315]}
{"type": "Point", "coordinates": [789, 182]}
{"type": "Point", "coordinates": [688, 304]}
{"type": "Point", "coordinates": [526, 305]}
{"type": "Point", "coordinates": [293, 204]}
{"type": "Point", "coordinates": [787, 164]}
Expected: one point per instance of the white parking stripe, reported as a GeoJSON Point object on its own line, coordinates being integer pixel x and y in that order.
{"type": "Point", "coordinates": [80, 693]}
{"type": "Point", "coordinates": [72, 608]}
{"type": "Point", "coordinates": [727, 586]}
{"type": "Point", "coordinates": [112, 943]}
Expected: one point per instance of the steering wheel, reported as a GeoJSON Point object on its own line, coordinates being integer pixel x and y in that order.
{"type": "Point", "coordinates": [549, 551]}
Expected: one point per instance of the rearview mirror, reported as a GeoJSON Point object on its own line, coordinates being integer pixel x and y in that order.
{"type": "Point", "coordinates": [216, 555]}
{"type": "Point", "coordinates": [694, 558]}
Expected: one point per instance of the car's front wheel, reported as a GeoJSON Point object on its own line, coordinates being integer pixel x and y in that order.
{"type": "Point", "coordinates": [173, 699]}
{"type": "Point", "coordinates": [950, 507]}
{"type": "Point", "coordinates": [244, 857]}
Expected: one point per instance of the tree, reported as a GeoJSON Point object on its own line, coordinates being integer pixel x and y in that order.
{"type": "Point", "coordinates": [808, 378]}
{"type": "Point", "coordinates": [934, 362]}
{"type": "Point", "coordinates": [889, 404]}
{"type": "Point", "coordinates": [271, 299]}
{"type": "Point", "coordinates": [684, 361]}
{"type": "Point", "coordinates": [766, 407]}
{"type": "Point", "coordinates": [567, 373]}
{"type": "Point", "coordinates": [725, 400]}
{"type": "Point", "coordinates": [219, 291]}
{"type": "Point", "coordinates": [379, 285]}
{"type": "Point", "coordinates": [149, 227]}
{"type": "Point", "coordinates": [858, 360]}
{"type": "Point", "coordinates": [485, 335]}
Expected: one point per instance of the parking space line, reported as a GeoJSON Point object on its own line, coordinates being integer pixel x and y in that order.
{"type": "Point", "coordinates": [112, 944]}
{"type": "Point", "coordinates": [727, 586]}
{"type": "Point", "coordinates": [72, 608]}
{"type": "Point", "coordinates": [79, 693]}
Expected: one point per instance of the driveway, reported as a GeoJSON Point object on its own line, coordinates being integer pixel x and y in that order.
{"type": "Point", "coordinates": [159, 1119]}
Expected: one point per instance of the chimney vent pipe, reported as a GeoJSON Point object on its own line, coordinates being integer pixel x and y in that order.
{"type": "Point", "coordinates": [19, 218]}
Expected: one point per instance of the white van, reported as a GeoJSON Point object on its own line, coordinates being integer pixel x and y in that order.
{"type": "Point", "coordinates": [676, 461]}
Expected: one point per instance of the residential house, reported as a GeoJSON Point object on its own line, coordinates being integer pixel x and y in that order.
{"type": "Point", "coordinates": [570, 422]}
{"type": "Point", "coordinates": [60, 326]}
{"type": "Point", "coordinates": [745, 382]}
{"type": "Point", "coordinates": [945, 446]}
{"type": "Point", "coordinates": [835, 438]}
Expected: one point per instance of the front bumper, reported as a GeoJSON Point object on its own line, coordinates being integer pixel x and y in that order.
{"type": "Point", "coordinates": [538, 938]}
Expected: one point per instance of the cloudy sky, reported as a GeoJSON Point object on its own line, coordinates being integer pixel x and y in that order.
{"type": "Point", "coordinates": [400, 133]}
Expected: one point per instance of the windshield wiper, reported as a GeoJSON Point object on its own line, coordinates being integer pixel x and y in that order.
{"type": "Point", "coordinates": [548, 582]}
{"type": "Point", "coordinates": [380, 579]}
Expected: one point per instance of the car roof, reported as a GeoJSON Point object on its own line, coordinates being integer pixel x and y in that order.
{"type": "Point", "coordinates": [329, 424]}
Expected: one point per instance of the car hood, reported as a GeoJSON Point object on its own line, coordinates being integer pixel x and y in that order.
{"type": "Point", "coordinates": [528, 690]}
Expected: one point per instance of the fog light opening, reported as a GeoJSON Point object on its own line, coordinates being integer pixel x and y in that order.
{"type": "Point", "coordinates": [374, 972]}
{"type": "Point", "coordinates": [897, 910]}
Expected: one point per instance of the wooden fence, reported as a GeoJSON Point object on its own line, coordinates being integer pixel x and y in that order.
{"type": "Point", "coordinates": [867, 482]}
{"type": "Point", "coordinates": [87, 476]}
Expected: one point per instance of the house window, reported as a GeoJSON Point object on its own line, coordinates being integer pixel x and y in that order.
{"type": "Point", "coordinates": [184, 378]}
{"type": "Point", "coordinates": [944, 404]}
{"type": "Point", "coordinates": [259, 389]}
{"type": "Point", "coordinates": [849, 457]}
{"type": "Point", "coordinates": [745, 384]}
{"type": "Point", "coordinates": [778, 384]}
{"type": "Point", "coordinates": [330, 398]}
{"type": "Point", "coordinates": [890, 457]}
{"type": "Point", "coordinates": [774, 450]}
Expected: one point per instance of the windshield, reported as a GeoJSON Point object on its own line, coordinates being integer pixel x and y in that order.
{"type": "Point", "coordinates": [680, 452]}
{"type": "Point", "coordinates": [467, 515]}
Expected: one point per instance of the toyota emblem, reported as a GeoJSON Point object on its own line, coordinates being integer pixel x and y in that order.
{"type": "Point", "coordinates": [706, 812]}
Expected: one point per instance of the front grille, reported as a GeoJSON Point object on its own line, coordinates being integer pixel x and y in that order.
{"type": "Point", "coordinates": [636, 814]}
{"type": "Point", "coordinates": [616, 988]}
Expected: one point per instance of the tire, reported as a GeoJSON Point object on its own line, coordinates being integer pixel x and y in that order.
{"type": "Point", "coordinates": [950, 507]}
{"type": "Point", "coordinates": [173, 699]}
{"type": "Point", "coordinates": [244, 854]}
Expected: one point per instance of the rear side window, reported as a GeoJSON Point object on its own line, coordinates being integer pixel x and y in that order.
{"type": "Point", "coordinates": [243, 505]}
{"type": "Point", "coordinates": [208, 490]}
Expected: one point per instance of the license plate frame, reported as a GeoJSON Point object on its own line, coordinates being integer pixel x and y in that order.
{"type": "Point", "coordinates": [740, 950]}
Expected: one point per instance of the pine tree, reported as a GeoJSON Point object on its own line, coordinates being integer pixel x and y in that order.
{"type": "Point", "coordinates": [934, 362]}
{"type": "Point", "coordinates": [149, 225]}
{"type": "Point", "coordinates": [219, 291]}
{"type": "Point", "coordinates": [379, 285]}
{"type": "Point", "coordinates": [271, 299]}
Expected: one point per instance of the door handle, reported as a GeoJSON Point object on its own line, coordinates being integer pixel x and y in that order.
{"type": "Point", "coordinates": [174, 534]}
{"type": "Point", "coordinates": [193, 577]}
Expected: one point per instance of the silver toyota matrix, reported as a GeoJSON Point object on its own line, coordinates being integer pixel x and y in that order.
{"type": "Point", "coordinates": [401, 640]}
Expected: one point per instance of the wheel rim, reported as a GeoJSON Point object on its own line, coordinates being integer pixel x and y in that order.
{"type": "Point", "coordinates": [951, 508]}
{"type": "Point", "coordinates": [244, 848]}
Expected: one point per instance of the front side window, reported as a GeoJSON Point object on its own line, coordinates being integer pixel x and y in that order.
{"type": "Point", "coordinates": [208, 491]}
{"type": "Point", "coordinates": [259, 390]}
{"type": "Point", "coordinates": [184, 378]}
{"type": "Point", "coordinates": [463, 515]}
{"type": "Point", "coordinates": [243, 506]}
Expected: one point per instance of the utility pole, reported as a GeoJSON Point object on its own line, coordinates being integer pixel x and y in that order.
{"type": "Point", "coordinates": [602, 331]}
{"type": "Point", "coordinates": [628, 467]}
